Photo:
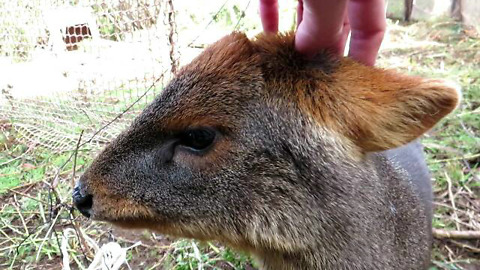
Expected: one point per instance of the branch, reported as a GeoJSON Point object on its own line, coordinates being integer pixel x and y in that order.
{"type": "Point", "coordinates": [447, 234]}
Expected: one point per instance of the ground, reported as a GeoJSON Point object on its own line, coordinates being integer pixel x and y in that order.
{"type": "Point", "coordinates": [35, 182]}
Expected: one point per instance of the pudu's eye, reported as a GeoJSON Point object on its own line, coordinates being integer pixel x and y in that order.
{"type": "Point", "coordinates": [198, 139]}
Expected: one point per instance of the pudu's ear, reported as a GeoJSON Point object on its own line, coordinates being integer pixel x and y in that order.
{"type": "Point", "coordinates": [381, 109]}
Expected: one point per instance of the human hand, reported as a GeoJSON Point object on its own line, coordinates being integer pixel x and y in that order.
{"type": "Point", "coordinates": [325, 24]}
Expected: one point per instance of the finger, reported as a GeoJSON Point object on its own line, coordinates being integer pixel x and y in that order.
{"type": "Point", "coordinates": [269, 15]}
{"type": "Point", "coordinates": [340, 46]}
{"type": "Point", "coordinates": [299, 12]}
{"type": "Point", "coordinates": [321, 26]}
{"type": "Point", "coordinates": [368, 25]}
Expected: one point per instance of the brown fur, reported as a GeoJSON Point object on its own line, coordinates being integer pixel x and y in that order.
{"type": "Point", "coordinates": [290, 177]}
{"type": "Point", "coordinates": [376, 108]}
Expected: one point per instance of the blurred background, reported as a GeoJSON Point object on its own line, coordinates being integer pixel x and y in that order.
{"type": "Point", "coordinates": [74, 73]}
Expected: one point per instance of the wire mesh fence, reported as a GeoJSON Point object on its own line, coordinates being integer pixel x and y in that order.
{"type": "Point", "coordinates": [68, 67]}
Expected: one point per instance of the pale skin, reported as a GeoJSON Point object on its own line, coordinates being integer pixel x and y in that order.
{"type": "Point", "coordinates": [325, 24]}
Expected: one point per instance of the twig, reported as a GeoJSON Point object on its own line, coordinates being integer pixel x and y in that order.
{"type": "Point", "coordinates": [448, 234]}
{"type": "Point", "coordinates": [81, 239]}
{"type": "Point", "coordinates": [455, 158]}
{"type": "Point", "coordinates": [75, 158]}
{"type": "Point", "coordinates": [446, 265]}
{"type": "Point", "coordinates": [452, 200]}
{"type": "Point", "coordinates": [242, 15]}
{"type": "Point", "coordinates": [165, 255]}
{"type": "Point", "coordinates": [172, 33]}
{"type": "Point", "coordinates": [15, 204]}
{"type": "Point", "coordinates": [8, 225]}
{"type": "Point", "coordinates": [19, 157]}
{"type": "Point", "coordinates": [214, 17]}
{"type": "Point", "coordinates": [442, 205]}
{"type": "Point", "coordinates": [52, 210]}
{"type": "Point", "coordinates": [48, 234]}
{"type": "Point", "coordinates": [443, 147]}
{"type": "Point", "coordinates": [470, 133]}
{"type": "Point", "coordinates": [477, 110]}
{"type": "Point", "coordinates": [118, 116]}
{"type": "Point", "coordinates": [465, 246]}
{"type": "Point", "coordinates": [28, 196]}
{"type": "Point", "coordinates": [42, 213]}
{"type": "Point", "coordinates": [36, 231]}
{"type": "Point", "coordinates": [451, 254]}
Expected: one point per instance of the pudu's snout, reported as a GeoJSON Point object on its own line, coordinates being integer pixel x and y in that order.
{"type": "Point", "coordinates": [82, 200]}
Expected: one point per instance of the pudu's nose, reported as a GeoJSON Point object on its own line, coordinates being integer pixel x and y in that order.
{"type": "Point", "coordinates": [83, 201]}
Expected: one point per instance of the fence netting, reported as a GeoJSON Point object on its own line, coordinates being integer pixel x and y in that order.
{"type": "Point", "coordinates": [72, 66]}
{"type": "Point", "coordinates": [68, 67]}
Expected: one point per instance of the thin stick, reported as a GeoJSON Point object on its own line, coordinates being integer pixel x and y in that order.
{"type": "Point", "coordinates": [26, 195]}
{"type": "Point", "coordinates": [448, 234]}
{"type": "Point", "coordinates": [75, 158]}
{"type": "Point", "coordinates": [42, 213]}
{"type": "Point", "coordinates": [466, 246]}
{"type": "Point", "coordinates": [81, 239]}
{"type": "Point", "coordinates": [48, 234]}
{"type": "Point", "coordinates": [118, 116]}
{"type": "Point", "coordinates": [15, 204]}
{"type": "Point", "coordinates": [17, 158]}
{"type": "Point", "coordinates": [452, 200]}
{"type": "Point", "coordinates": [454, 159]}
{"type": "Point", "coordinates": [242, 15]}
{"type": "Point", "coordinates": [215, 16]}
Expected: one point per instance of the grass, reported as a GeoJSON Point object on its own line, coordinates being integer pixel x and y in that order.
{"type": "Point", "coordinates": [35, 204]}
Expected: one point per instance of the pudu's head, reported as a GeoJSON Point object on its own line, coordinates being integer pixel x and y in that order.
{"type": "Point", "coordinates": [250, 138]}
